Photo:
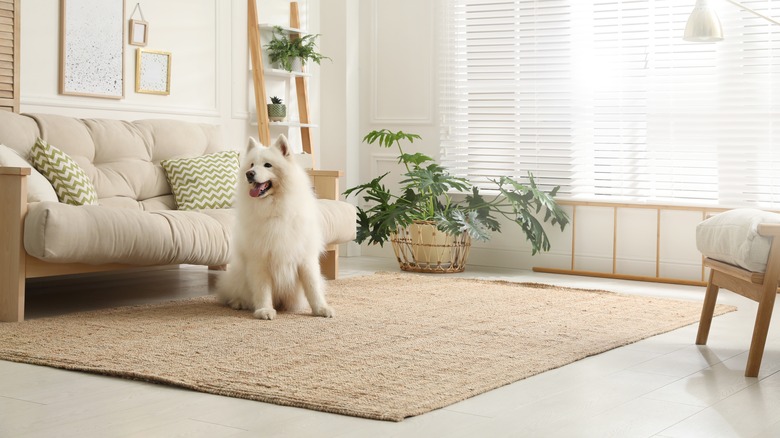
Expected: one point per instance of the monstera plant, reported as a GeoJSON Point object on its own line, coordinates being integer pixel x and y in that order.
{"type": "Point", "coordinates": [449, 206]}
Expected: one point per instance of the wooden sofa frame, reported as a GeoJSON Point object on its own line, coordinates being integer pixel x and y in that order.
{"type": "Point", "coordinates": [16, 266]}
{"type": "Point", "coordinates": [757, 286]}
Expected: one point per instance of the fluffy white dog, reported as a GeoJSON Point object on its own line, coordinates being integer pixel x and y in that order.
{"type": "Point", "coordinates": [277, 237]}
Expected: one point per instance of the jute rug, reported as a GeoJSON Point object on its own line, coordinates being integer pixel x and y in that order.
{"type": "Point", "coordinates": [400, 344]}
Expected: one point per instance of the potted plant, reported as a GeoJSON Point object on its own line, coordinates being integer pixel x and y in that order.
{"type": "Point", "coordinates": [277, 110]}
{"type": "Point", "coordinates": [435, 216]}
{"type": "Point", "coordinates": [291, 54]}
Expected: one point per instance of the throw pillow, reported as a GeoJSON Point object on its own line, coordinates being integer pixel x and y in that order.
{"type": "Point", "coordinates": [203, 182]}
{"type": "Point", "coordinates": [38, 188]}
{"type": "Point", "coordinates": [72, 185]}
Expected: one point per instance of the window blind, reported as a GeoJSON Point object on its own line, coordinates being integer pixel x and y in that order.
{"type": "Point", "coordinates": [606, 100]}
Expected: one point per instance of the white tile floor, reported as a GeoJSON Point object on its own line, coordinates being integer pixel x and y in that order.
{"type": "Point", "coordinates": [664, 386]}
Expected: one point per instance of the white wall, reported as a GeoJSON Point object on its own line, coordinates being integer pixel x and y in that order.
{"type": "Point", "coordinates": [209, 63]}
{"type": "Point", "coordinates": [397, 65]}
{"type": "Point", "coordinates": [340, 93]}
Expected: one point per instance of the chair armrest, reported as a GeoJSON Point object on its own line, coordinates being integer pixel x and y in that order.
{"type": "Point", "coordinates": [769, 230]}
{"type": "Point", "coordinates": [325, 183]}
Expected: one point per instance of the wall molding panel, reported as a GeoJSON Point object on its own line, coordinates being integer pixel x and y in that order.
{"type": "Point", "coordinates": [92, 104]}
{"type": "Point", "coordinates": [386, 109]}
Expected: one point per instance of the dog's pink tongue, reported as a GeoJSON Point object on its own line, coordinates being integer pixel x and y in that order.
{"type": "Point", "coordinates": [256, 189]}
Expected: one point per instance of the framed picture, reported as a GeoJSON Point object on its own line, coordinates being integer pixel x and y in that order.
{"type": "Point", "coordinates": [139, 32]}
{"type": "Point", "coordinates": [92, 43]}
{"type": "Point", "coordinates": [152, 72]}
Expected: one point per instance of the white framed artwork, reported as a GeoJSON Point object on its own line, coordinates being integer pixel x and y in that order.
{"type": "Point", "coordinates": [152, 72]}
{"type": "Point", "coordinates": [139, 31]}
{"type": "Point", "coordinates": [92, 43]}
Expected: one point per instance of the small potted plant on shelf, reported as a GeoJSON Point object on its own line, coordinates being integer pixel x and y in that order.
{"type": "Point", "coordinates": [431, 226]}
{"type": "Point", "coordinates": [292, 53]}
{"type": "Point", "coordinates": [277, 110]}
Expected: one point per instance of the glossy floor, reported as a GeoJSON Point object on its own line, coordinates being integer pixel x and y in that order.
{"type": "Point", "coordinates": [664, 386]}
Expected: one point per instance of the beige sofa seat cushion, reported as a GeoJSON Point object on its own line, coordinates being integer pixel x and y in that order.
{"type": "Point", "coordinates": [94, 234]}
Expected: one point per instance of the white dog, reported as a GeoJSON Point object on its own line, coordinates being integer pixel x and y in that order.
{"type": "Point", "coordinates": [277, 237]}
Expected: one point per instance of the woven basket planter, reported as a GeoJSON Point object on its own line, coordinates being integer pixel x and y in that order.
{"type": "Point", "coordinates": [421, 247]}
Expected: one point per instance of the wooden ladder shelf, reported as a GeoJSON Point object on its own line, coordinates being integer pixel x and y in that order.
{"type": "Point", "coordinates": [258, 80]}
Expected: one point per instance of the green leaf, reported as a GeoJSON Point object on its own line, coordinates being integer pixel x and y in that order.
{"type": "Point", "coordinates": [415, 159]}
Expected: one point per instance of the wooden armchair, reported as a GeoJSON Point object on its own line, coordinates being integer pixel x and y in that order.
{"type": "Point", "coordinates": [758, 286]}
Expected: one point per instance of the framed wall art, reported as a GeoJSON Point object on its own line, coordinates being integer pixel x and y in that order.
{"type": "Point", "coordinates": [92, 48]}
{"type": "Point", "coordinates": [139, 32]}
{"type": "Point", "coordinates": [152, 72]}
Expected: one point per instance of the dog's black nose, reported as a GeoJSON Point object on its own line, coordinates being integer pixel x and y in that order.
{"type": "Point", "coordinates": [250, 176]}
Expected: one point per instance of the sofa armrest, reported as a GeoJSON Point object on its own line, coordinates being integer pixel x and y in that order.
{"type": "Point", "coordinates": [5, 170]}
{"type": "Point", "coordinates": [325, 183]}
{"type": "Point", "coordinates": [13, 199]}
{"type": "Point", "coordinates": [326, 186]}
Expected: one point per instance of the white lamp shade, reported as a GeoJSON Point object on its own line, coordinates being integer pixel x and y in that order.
{"type": "Point", "coordinates": [703, 24]}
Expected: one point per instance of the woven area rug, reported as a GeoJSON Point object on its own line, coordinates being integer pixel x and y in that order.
{"type": "Point", "coordinates": [400, 344]}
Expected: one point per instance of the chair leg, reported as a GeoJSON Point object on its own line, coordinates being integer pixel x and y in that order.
{"type": "Point", "coordinates": [760, 330]}
{"type": "Point", "coordinates": [707, 310]}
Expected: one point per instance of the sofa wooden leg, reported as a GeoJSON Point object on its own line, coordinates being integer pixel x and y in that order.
{"type": "Point", "coordinates": [707, 310]}
{"type": "Point", "coordinates": [329, 263]}
{"type": "Point", "coordinates": [11, 295]}
{"type": "Point", "coordinates": [218, 268]}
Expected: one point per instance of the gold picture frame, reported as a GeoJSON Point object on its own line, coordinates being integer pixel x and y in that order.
{"type": "Point", "coordinates": [153, 72]}
{"type": "Point", "coordinates": [139, 33]}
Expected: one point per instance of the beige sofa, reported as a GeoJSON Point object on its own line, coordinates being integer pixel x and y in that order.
{"type": "Point", "coordinates": [136, 222]}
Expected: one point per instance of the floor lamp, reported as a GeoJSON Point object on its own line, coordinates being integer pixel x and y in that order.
{"type": "Point", "coordinates": [704, 26]}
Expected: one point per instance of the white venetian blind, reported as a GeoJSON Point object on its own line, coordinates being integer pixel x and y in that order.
{"type": "Point", "coordinates": [606, 100]}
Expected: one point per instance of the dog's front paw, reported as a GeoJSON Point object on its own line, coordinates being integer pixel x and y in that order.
{"type": "Point", "coordinates": [324, 311]}
{"type": "Point", "coordinates": [235, 304]}
{"type": "Point", "coordinates": [265, 313]}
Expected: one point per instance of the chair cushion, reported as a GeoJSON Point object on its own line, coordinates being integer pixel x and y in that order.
{"type": "Point", "coordinates": [732, 237]}
{"type": "Point", "coordinates": [208, 181]}
{"type": "Point", "coordinates": [38, 187]}
{"type": "Point", "coordinates": [72, 185]}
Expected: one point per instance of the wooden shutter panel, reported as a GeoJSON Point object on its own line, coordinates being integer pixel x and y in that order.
{"type": "Point", "coordinates": [9, 55]}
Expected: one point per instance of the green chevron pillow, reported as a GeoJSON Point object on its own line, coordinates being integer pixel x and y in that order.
{"type": "Point", "coordinates": [203, 182]}
{"type": "Point", "coordinates": [72, 185]}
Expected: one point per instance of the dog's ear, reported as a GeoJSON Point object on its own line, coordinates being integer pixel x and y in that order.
{"type": "Point", "coordinates": [282, 144]}
{"type": "Point", "coordinates": [252, 145]}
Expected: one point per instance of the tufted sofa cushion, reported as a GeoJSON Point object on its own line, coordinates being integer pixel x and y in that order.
{"type": "Point", "coordinates": [122, 158]}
